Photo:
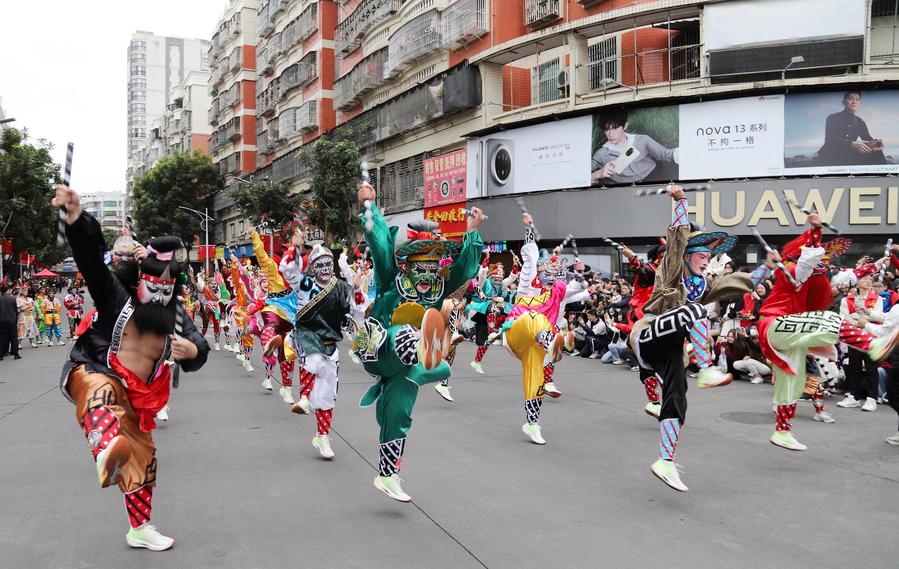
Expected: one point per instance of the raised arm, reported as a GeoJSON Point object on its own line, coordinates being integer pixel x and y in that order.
{"type": "Point", "coordinates": [380, 240]}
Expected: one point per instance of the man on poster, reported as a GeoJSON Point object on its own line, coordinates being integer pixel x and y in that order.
{"type": "Point", "coordinates": [847, 141]}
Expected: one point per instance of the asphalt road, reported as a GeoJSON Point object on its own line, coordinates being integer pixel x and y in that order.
{"type": "Point", "coordinates": [240, 485]}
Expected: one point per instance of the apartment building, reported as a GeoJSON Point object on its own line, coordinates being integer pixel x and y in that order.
{"type": "Point", "coordinates": [156, 64]}
{"type": "Point", "coordinates": [232, 87]}
{"type": "Point", "coordinates": [182, 127]}
{"type": "Point", "coordinates": [483, 101]}
{"type": "Point", "coordinates": [107, 207]}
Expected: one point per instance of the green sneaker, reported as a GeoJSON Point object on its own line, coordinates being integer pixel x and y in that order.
{"type": "Point", "coordinates": [666, 471]}
{"type": "Point", "coordinates": [390, 485]}
{"type": "Point", "coordinates": [323, 444]}
{"type": "Point", "coordinates": [147, 536]}
{"type": "Point", "coordinates": [785, 439]}
{"type": "Point", "coordinates": [653, 409]}
{"type": "Point", "coordinates": [532, 430]}
{"type": "Point", "coordinates": [713, 377]}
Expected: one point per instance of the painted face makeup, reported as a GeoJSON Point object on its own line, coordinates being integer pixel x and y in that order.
{"type": "Point", "coordinates": [154, 290]}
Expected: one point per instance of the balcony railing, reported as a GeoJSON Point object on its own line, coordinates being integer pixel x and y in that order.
{"type": "Point", "coordinates": [537, 12]}
{"type": "Point", "coordinates": [307, 22]}
{"type": "Point", "coordinates": [273, 134]}
{"type": "Point", "coordinates": [230, 165]}
{"type": "Point", "coordinates": [463, 22]}
{"type": "Point", "coordinates": [416, 38]}
{"type": "Point", "coordinates": [213, 114]}
{"type": "Point", "coordinates": [307, 116]}
{"type": "Point", "coordinates": [365, 76]}
{"type": "Point", "coordinates": [263, 22]}
{"type": "Point", "coordinates": [235, 60]}
{"type": "Point", "coordinates": [267, 99]}
{"type": "Point", "coordinates": [299, 74]}
{"type": "Point", "coordinates": [350, 32]}
{"type": "Point", "coordinates": [262, 64]}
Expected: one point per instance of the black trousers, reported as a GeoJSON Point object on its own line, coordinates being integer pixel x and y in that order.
{"type": "Point", "coordinates": [480, 329]}
{"type": "Point", "coordinates": [9, 339]}
{"type": "Point", "coordinates": [862, 375]}
{"type": "Point", "coordinates": [662, 347]}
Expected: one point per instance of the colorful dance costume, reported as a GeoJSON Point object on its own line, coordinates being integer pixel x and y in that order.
{"type": "Point", "coordinates": [277, 315]}
{"type": "Point", "coordinates": [113, 405]}
{"type": "Point", "coordinates": [531, 331]}
{"type": "Point", "coordinates": [402, 340]}
{"type": "Point", "coordinates": [74, 304]}
{"type": "Point", "coordinates": [794, 321]}
{"type": "Point", "coordinates": [325, 302]}
{"type": "Point", "coordinates": [674, 314]}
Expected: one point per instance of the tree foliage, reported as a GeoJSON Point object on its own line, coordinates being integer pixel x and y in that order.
{"type": "Point", "coordinates": [334, 168]}
{"type": "Point", "coordinates": [267, 202]}
{"type": "Point", "coordinates": [27, 179]}
{"type": "Point", "coordinates": [187, 180]}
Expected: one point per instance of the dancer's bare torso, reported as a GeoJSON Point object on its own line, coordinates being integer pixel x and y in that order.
{"type": "Point", "coordinates": [140, 352]}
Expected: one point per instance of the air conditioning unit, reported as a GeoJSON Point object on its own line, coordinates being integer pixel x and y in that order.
{"type": "Point", "coordinates": [563, 80]}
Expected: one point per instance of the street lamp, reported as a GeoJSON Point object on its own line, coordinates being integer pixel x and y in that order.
{"type": "Point", "coordinates": [204, 224]}
{"type": "Point", "coordinates": [4, 121]}
{"type": "Point", "coordinates": [793, 60]}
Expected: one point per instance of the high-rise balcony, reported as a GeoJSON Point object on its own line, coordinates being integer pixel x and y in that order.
{"type": "Point", "coordinates": [537, 12]}
{"type": "Point", "coordinates": [417, 38]}
{"type": "Point", "coordinates": [350, 32]}
{"type": "Point", "coordinates": [464, 21]}
{"type": "Point", "coordinates": [365, 76]}
{"type": "Point", "coordinates": [299, 74]}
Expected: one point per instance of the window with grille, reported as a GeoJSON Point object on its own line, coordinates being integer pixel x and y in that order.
{"type": "Point", "coordinates": [602, 63]}
{"type": "Point", "coordinates": [544, 82]}
{"type": "Point", "coordinates": [402, 184]}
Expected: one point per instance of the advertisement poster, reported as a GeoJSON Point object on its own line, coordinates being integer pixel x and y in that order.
{"type": "Point", "coordinates": [549, 156]}
{"type": "Point", "coordinates": [635, 146]}
{"type": "Point", "coordinates": [853, 132]}
{"type": "Point", "coordinates": [734, 138]}
{"type": "Point", "coordinates": [445, 178]}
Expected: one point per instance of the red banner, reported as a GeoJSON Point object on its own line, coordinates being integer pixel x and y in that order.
{"type": "Point", "coordinates": [450, 217]}
{"type": "Point", "coordinates": [267, 240]}
{"type": "Point", "coordinates": [205, 251]}
{"type": "Point", "coordinates": [23, 257]}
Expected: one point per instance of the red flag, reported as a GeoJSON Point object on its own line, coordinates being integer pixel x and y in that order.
{"type": "Point", "coordinates": [23, 257]}
{"type": "Point", "coordinates": [7, 246]}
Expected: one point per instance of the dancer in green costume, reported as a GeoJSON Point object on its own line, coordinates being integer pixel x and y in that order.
{"type": "Point", "coordinates": [403, 340]}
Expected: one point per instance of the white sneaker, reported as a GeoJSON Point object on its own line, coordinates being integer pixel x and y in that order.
{"type": "Point", "coordinates": [391, 485]}
{"type": "Point", "coordinates": [443, 391]}
{"type": "Point", "coordinates": [551, 390]}
{"type": "Point", "coordinates": [532, 430]}
{"type": "Point", "coordinates": [353, 357]}
{"type": "Point", "coordinates": [286, 395]}
{"type": "Point", "coordinates": [824, 417]}
{"type": "Point", "coordinates": [60, 343]}
{"type": "Point", "coordinates": [217, 347]}
{"type": "Point", "coordinates": [267, 384]}
{"type": "Point", "coordinates": [893, 440]}
{"type": "Point", "coordinates": [870, 404]}
{"type": "Point", "coordinates": [323, 444]}
{"type": "Point", "coordinates": [849, 402]}
{"type": "Point", "coordinates": [302, 407]}
{"type": "Point", "coordinates": [227, 347]}
{"type": "Point", "coordinates": [593, 356]}
{"type": "Point", "coordinates": [163, 414]}
{"type": "Point", "coordinates": [147, 536]}
{"type": "Point", "coordinates": [617, 362]}
{"type": "Point", "coordinates": [241, 357]}
{"type": "Point", "coordinates": [246, 364]}
{"type": "Point", "coordinates": [477, 367]}
{"type": "Point", "coordinates": [757, 379]}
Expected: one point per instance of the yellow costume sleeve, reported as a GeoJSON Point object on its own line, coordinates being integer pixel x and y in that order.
{"type": "Point", "coordinates": [268, 266]}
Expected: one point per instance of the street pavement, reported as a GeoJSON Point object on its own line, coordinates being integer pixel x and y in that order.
{"type": "Point", "coordinates": [240, 485]}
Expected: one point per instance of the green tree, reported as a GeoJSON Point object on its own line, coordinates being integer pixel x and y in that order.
{"type": "Point", "coordinates": [187, 180]}
{"type": "Point", "coordinates": [334, 168]}
{"type": "Point", "coordinates": [109, 236]}
{"type": "Point", "coordinates": [27, 179]}
{"type": "Point", "coordinates": [268, 202]}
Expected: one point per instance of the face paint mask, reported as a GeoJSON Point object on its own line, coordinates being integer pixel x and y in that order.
{"type": "Point", "coordinates": [323, 269]}
{"type": "Point", "coordinates": [422, 282]}
{"type": "Point", "coordinates": [154, 290]}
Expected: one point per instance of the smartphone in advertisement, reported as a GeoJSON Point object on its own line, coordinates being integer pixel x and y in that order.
{"type": "Point", "coordinates": [623, 161]}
